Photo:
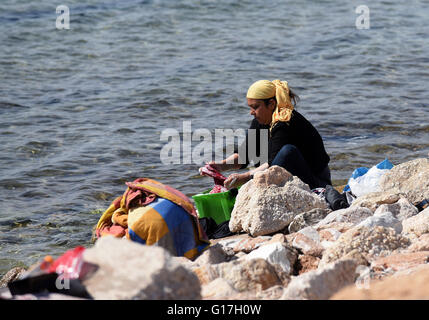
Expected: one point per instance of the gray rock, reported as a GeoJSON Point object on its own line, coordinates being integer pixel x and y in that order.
{"type": "Point", "coordinates": [249, 244]}
{"type": "Point", "coordinates": [350, 215]}
{"type": "Point", "coordinates": [311, 233]}
{"type": "Point", "coordinates": [410, 178]}
{"type": "Point", "coordinates": [375, 199]}
{"type": "Point", "coordinates": [384, 219]}
{"type": "Point", "coordinates": [329, 234]}
{"type": "Point", "coordinates": [401, 210]}
{"type": "Point", "coordinates": [242, 274]}
{"type": "Point", "coordinates": [307, 240]}
{"type": "Point", "coordinates": [128, 270]}
{"type": "Point", "coordinates": [307, 219]}
{"type": "Point", "coordinates": [276, 254]}
{"type": "Point", "coordinates": [307, 245]}
{"type": "Point", "coordinates": [212, 255]}
{"type": "Point", "coordinates": [270, 201]}
{"type": "Point", "coordinates": [416, 225]}
{"type": "Point", "coordinates": [369, 242]}
{"type": "Point", "coordinates": [420, 244]}
{"type": "Point", "coordinates": [254, 274]}
{"type": "Point", "coordinates": [228, 245]}
{"type": "Point", "coordinates": [323, 283]}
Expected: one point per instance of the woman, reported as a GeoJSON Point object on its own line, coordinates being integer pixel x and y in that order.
{"type": "Point", "coordinates": [293, 142]}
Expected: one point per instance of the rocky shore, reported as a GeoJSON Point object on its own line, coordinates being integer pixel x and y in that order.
{"type": "Point", "coordinates": [290, 245]}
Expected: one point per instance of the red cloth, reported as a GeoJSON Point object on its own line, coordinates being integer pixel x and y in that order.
{"type": "Point", "coordinates": [69, 263]}
{"type": "Point", "coordinates": [218, 178]}
{"type": "Point", "coordinates": [135, 197]}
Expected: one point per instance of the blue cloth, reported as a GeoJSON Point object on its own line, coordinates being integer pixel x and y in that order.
{"type": "Point", "coordinates": [166, 224]}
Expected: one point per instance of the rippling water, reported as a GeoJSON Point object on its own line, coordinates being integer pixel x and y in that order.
{"type": "Point", "coordinates": [82, 110]}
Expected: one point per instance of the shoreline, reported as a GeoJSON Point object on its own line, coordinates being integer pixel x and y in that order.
{"type": "Point", "coordinates": [382, 233]}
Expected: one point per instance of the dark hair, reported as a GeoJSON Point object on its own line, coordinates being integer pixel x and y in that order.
{"type": "Point", "coordinates": [294, 98]}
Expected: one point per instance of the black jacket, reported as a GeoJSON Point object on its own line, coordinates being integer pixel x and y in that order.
{"type": "Point", "coordinates": [298, 132]}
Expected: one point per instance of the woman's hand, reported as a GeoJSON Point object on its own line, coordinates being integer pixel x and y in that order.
{"type": "Point", "coordinates": [236, 179]}
{"type": "Point", "coordinates": [217, 166]}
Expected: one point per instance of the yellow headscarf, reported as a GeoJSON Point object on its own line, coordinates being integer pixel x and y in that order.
{"type": "Point", "coordinates": [265, 89]}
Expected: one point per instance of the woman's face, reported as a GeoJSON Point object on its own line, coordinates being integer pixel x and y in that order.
{"type": "Point", "coordinates": [260, 111]}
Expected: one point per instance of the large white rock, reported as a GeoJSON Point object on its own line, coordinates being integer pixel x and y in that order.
{"type": "Point", "coordinates": [242, 274]}
{"type": "Point", "coordinates": [275, 253]}
{"type": "Point", "coordinates": [270, 201]}
{"type": "Point", "coordinates": [322, 283]}
{"type": "Point", "coordinates": [128, 270]}
{"type": "Point", "coordinates": [349, 215]}
{"type": "Point", "coordinates": [384, 219]}
{"type": "Point", "coordinates": [401, 210]}
{"type": "Point", "coordinates": [410, 178]}
{"type": "Point", "coordinates": [416, 225]}
{"type": "Point", "coordinates": [370, 242]}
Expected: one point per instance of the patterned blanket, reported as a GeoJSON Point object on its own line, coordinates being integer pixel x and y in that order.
{"type": "Point", "coordinates": [152, 213]}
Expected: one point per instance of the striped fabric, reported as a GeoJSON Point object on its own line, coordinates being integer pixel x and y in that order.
{"type": "Point", "coordinates": [166, 224]}
{"type": "Point", "coordinates": [152, 213]}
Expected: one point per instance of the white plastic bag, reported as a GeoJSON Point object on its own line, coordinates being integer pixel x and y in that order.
{"type": "Point", "coordinates": [369, 182]}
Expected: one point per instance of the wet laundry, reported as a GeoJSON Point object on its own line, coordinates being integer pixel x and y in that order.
{"type": "Point", "coordinates": [218, 178]}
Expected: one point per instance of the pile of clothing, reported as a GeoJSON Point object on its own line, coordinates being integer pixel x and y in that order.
{"type": "Point", "coordinates": [152, 213]}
